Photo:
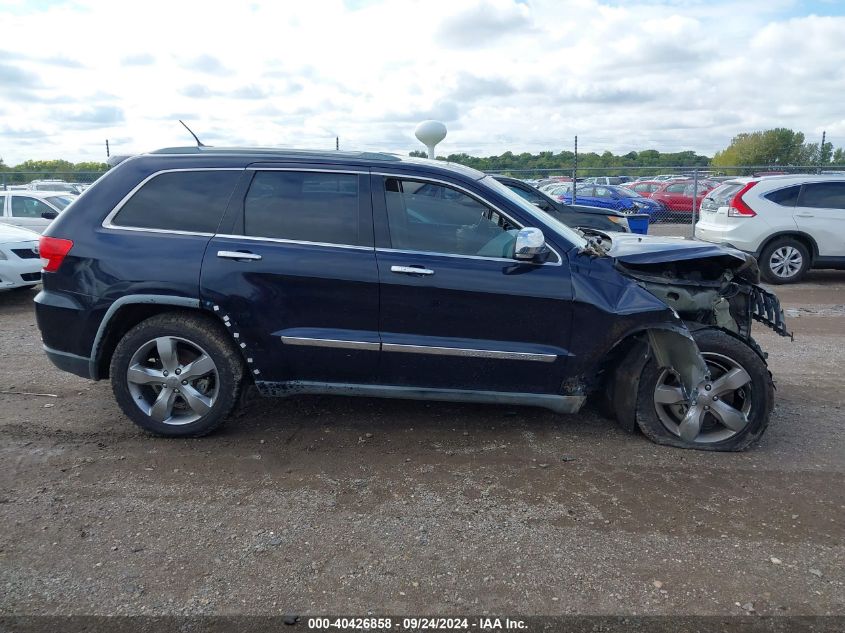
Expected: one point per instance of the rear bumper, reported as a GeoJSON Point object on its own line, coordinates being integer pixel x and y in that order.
{"type": "Point", "coordinates": [67, 323]}
{"type": "Point", "coordinates": [71, 363]}
{"type": "Point", "coordinates": [725, 236]}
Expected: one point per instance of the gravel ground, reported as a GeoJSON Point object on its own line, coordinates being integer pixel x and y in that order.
{"type": "Point", "coordinates": [321, 505]}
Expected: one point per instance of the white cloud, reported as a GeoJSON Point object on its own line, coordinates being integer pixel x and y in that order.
{"type": "Point", "coordinates": [503, 74]}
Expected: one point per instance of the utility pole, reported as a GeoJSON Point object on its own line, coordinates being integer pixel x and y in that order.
{"type": "Point", "coordinates": [575, 171]}
{"type": "Point", "coordinates": [337, 143]}
{"type": "Point", "coordinates": [107, 148]}
{"type": "Point", "coordinates": [694, 197]}
{"type": "Point", "coordinates": [821, 149]}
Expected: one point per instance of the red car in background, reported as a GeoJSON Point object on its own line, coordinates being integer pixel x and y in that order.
{"type": "Point", "coordinates": [676, 195]}
{"type": "Point", "coordinates": [645, 187]}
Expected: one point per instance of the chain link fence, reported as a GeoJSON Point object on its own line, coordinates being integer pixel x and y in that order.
{"type": "Point", "coordinates": [670, 196]}
{"type": "Point", "coordinates": [43, 180]}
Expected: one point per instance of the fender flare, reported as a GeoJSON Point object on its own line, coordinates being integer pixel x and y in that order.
{"type": "Point", "coordinates": [173, 300]}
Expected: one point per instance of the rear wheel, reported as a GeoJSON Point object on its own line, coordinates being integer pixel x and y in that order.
{"type": "Point", "coordinates": [784, 261]}
{"type": "Point", "coordinates": [176, 375]}
{"type": "Point", "coordinates": [731, 415]}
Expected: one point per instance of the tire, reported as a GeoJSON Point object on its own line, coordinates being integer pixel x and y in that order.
{"type": "Point", "coordinates": [784, 261]}
{"type": "Point", "coordinates": [751, 403]}
{"type": "Point", "coordinates": [193, 391]}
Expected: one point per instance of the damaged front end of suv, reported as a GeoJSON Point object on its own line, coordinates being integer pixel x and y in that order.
{"type": "Point", "coordinates": [683, 366]}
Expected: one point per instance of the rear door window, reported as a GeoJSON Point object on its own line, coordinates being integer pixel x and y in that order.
{"type": "Point", "coordinates": [786, 197]}
{"type": "Point", "coordinates": [319, 207]}
{"type": "Point", "coordinates": [823, 195]}
{"type": "Point", "coordinates": [185, 201]}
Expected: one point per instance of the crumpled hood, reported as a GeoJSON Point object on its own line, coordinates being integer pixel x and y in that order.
{"type": "Point", "coordinates": [632, 248]}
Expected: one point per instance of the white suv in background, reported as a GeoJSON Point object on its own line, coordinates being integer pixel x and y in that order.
{"type": "Point", "coordinates": [789, 223]}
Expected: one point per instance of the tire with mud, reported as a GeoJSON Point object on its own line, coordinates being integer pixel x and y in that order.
{"type": "Point", "coordinates": [177, 374]}
{"type": "Point", "coordinates": [733, 413]}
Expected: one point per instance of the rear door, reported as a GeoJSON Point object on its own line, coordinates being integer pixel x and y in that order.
{"type": "Point", "coordinates": [457, 311]}
{"type": "Point", "coordinates": [820, 211]}
{"type": "Point", "coordinates": [293, 270]}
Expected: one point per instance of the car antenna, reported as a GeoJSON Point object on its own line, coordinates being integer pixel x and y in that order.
{"type": "Point", "coordinates": [199, 142]}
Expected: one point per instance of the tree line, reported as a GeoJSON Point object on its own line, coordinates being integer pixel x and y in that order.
{"type": "Point", "coordinates": [50, 169]}
{"type": "Point", "coordinates": [776, 148]}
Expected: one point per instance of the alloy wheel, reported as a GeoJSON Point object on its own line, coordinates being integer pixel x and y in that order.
{"type": "Point", "coordinates": [786, 261]}
{"type": "Point", "coordinates": [173, 380]}
{"type": "Point", "coordinates": [722, 409]}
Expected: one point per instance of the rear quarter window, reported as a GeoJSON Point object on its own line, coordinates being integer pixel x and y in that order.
{"type": "Point", "coordinates": [190, 201]}
{"type": "Point", "coordinates": [785, 197]}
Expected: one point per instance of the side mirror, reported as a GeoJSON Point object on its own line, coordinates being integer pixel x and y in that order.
{"type": "Point", "coordinates": [530, 244]}
{"type": "Point", "coordinates": [50, 215]}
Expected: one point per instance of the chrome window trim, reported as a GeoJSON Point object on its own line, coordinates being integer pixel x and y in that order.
{"type": "Point", "coordinates": [476, 197]}
{"type": "Point", "coordinates": [107, 221]}
{"type": "Point", "coordinates": [418, 349]}
{"type": "Point", "coordinates": [491, 259]}
{"type": "Point", "coordinates": [281, 240]}
{"type": "Point", "coordinates": [309, 169]}
{"type": "Point", "coordinates": [329, 342]}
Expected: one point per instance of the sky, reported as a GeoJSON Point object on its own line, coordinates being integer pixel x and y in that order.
{"type": "Point", "coordinates": [518, 75]}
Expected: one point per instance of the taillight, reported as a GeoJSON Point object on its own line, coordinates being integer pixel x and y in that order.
{"type": "Point", "coordinates": [737, 207]}
{"type": "Point", "coordinates": [53, 251]}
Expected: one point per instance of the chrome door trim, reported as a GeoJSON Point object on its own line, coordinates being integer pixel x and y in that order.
{"type": "Point", "coordinates": [328, 342]}
{"type": "Point", "coordinates": [478, 198]}
{"type": "Point", "coordinates": [469, 353]}
{"type": "Point", "coordinates": [107, 221]}
{"type": "Point", "coordinates": [308, 341]}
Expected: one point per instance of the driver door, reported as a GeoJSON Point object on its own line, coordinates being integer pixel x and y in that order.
{"type": "Point", "coordinates": [456, 310]}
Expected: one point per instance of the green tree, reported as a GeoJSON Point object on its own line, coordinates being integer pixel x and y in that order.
{"type": "Point", "coordinates": [779, 146]}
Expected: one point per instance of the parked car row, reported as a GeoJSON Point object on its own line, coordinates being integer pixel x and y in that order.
{"type": "Point", "coordinates": [32, 210]}
{"type": "Point", "coordinates": [24, 214]}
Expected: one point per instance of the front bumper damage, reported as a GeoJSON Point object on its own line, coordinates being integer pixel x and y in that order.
{"type": "Point", "coordinates": [719, 293]}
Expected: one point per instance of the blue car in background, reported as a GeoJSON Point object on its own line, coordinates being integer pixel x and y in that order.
{"type": "Point", "coordinates": [614, 197]}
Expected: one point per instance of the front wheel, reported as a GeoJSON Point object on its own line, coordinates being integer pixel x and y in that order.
{"type": "Point", "coordinates": [177, 375]}
{"type": "Point", "coordinates": [731, 415]}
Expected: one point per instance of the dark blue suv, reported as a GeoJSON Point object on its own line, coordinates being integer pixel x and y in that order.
{"type": "Point", "coordinates": [187, 273]}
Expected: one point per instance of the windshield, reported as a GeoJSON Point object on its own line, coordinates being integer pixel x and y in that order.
{"type": "Point", "coordinates": [60, 202]}
{"type": "Point", "coordinates": [626, 193]}
{"type": "Point", "coordinates": [564, 231]}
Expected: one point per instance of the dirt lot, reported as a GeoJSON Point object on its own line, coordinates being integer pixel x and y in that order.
{"type": "Point", "coordinates": [316, 505]}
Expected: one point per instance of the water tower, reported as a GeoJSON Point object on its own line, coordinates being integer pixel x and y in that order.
{"type": "Point", "coordinates": [430, 133]}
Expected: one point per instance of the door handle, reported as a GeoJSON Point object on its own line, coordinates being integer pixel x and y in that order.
{"type": "Point", "coordinates": [238, 255]}
{"type": "Point", "coordinates": [411, 270]}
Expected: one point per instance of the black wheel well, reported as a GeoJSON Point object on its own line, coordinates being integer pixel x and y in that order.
{"type": "Point", "coordinates": [805, 239]}
{"type": "Point", "coordinates": [127, 317]}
